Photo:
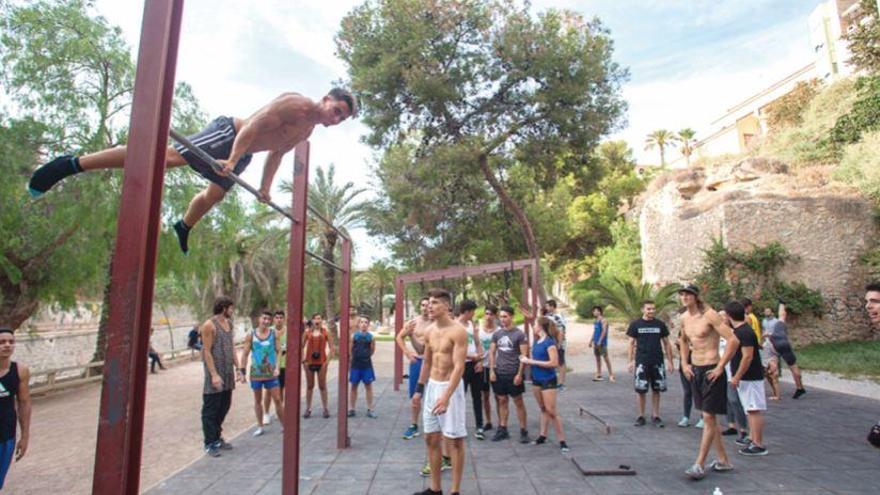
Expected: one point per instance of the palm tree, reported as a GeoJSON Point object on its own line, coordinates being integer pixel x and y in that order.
{"type": "Point", "coordinates": [340, 206]}
{"type": "Point", "coordinates": [661, 138]}
{"type": "Point", "coordinates": [627, 297]}
{"type": "Point", "coordinates": [686, 136]}
{"type": "Point", "coordinates": [378, 278]}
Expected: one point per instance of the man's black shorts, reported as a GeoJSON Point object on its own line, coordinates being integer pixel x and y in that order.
{"type": "Point", "coordinates": [216, 140]}
{"type": "Point", "coordinates": [710, 397]}
{"type": "Point", "coordinates": [547, 384]}
{"type": "Point", "coordinates": [651, 376]}
{"type": "Point", "coordinates": [561, 354]}
{"type": "Point", "coordinates": [503, 385]}
{"type": "Point", "coordinates": [487, 385]}
{"type": "Point", "coordinates": [787, 354]}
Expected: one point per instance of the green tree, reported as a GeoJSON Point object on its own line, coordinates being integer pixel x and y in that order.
{"type": "Point", "coordinates": [378, 279]}
{"type": "Point", "coordinates": [341, 206]}
{"type": "Point", "coordinates": [487, 81]}
{"type": "Point", "coordinates": [627, 296]}
{"type": "Point", "coordinates": [661, 139]}
{"type": "Point", "coordinates": [686, 138]}
{"type": "Point", "coordinates": [864, 40]}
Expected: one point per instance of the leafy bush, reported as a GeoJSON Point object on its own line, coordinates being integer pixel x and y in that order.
{"type": "Point", "coordinates": [788, 111]}
{"type": "Point", "coordinates": [728, 274]}
{"type": "Point", "coordinates": [626, 296]}
{"type": "Point", "coordinates": [860, 165]}
{"type": "Point", "coordinates": [864, 116]}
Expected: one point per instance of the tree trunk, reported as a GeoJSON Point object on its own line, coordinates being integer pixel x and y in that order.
{"type": "Point", "coordinates": [662, 156]}
{"type": "Point", "coordinates": [16, 306]}
{"type": "Point", "coordinates": [520, 217]}
{"type": "Point", "coordinates": [101, 340]}
{"type": "Point", "coordinates": [329, 243]}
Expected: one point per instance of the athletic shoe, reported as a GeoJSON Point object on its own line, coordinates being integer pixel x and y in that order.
{"type": "Point", "coordinates": [640, 421]}
{"type": "Point", "coordinates": [798, 393]}
{"type": "Point", "coordinates": [428, 491]}
{"type": "Point", "coordinates": [696, 472]}
{"type": "Point", "coordinates": [371, 414]}
{"type": "Point", "coordinates": [307, 414]}
{"type": "Point", "coordinates": [445, 465]}
{"type": "Point", "coordinates": [598, 378]}
{"type": "Point", "coordinates": [480, 434]}
{"type": "Point", "coordinates": [720, 467]}
{"type": "Point", "coordinates": [699, 424]}
{"type": "Point", "coordinates": [212, 450]}
{"type": "Point", "coordinates": [730, 431]}
{"type": "Point", "coordinates": [500, 434]}
{"type": "Point", "coordinates": [743, 440]}
{"type": "Point", "coordinates": [426, 470]}
{"type": "Point", "coordinates": [684, 422]}
{"type": "Point", "coordinates": [258, 432]}
{"type": "Point", "coordinates": [753, 450]}
{"type": "Point", "coordinates": [563, 447]}
{"type": "Point", "coordinates": [561, 388]}
{"type": "Point", "coordinates": [487, 427]}
{"type": "Point", "coordinates": [411, 432]}
{"type": "Point", "coordinates": [351, 413]}
{"type": "Point", "coordinates": [267, 419]}
{"type": "Point", "coordinates": [524, 436]}
{"type": "Point", "coordinates": [540, 440]}
{"type": "Point", "coordinates": [224, 445]}
{"type": "Point", "coordinates": [326, 414]}
{"type": "Point", "coordinates": [657, 422]}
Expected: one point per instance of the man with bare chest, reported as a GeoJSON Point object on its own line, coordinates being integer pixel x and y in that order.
{"type": "Point", "coordinates": [702, 327]}
{"type": "Point", "coordinates": [276, 128]}
{"type": "Point", "coordinates": [440, 381]}
{"type": "Point", "coordinates": [417, 331]}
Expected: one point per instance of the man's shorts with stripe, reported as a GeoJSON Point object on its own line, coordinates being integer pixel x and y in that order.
{"type": "Point", "coordinates": [216, 140]}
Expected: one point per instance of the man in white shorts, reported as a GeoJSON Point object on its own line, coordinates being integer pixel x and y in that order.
{"type": "Point", "coordinates": [443, 410]}
{"type": "Point", "coordinates": [748, 377]}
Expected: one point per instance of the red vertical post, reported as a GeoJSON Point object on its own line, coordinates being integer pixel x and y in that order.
{"type": "Point", "coordinates": [398, 326]}
{"type": "Point", "coordinates": [342, 440]}
{"type": "Point", "coordinates": [121, 417]}
{"type": "Point", "coordinates": [295, 276]}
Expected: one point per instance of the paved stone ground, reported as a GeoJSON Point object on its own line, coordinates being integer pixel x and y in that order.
{"type": "Point", "coordinates": [817, 446]}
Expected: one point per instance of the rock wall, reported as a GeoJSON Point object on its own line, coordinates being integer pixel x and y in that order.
{"type": "Point", "coordinates": [827, 227]}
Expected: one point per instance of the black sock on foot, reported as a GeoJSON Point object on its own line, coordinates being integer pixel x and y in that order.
{"type": "Point", "coordinates": [182, 231]}
{"type": "Point", "coordinates": [49, 174]}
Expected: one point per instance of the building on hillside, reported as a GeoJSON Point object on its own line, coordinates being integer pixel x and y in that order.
{"type": "Point", "coordinates": [739, 128]}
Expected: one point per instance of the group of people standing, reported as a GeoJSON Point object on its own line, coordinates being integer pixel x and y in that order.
{"type": "Point", "coordinates": [448, 354]}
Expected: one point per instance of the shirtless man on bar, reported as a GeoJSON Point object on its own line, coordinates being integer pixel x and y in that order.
{"type": "Point", "coordinates": [440, 381]}
{"type": "Point", "coordinates": [277, 128]}
{"type": "Point", "coordinates": [702, 327]}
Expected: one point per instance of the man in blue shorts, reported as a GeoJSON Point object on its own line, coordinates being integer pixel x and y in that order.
{"type": "Point", "coordinates": [263, 347]}
{"type": "Point", "coordinates": [363, 346]}
{"type": "Point", "coordinates": [417, 331]}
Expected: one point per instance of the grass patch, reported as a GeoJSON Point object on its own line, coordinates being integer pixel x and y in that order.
{"type": "Point", "coordinates": [849, 359]}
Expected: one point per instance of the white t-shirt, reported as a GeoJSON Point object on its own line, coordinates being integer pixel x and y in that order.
{"type": "Point", "coordinates": [486, 340]}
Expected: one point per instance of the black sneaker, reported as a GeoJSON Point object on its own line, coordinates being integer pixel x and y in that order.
{"type": "Point", "coordinates": [351, 413]}
{"type": "Point", "coordinates": [480, 434]}
{"type": "Point", "coordinates": [487, 426]}
{"type": "Point", "coordinates": [540, 440]}
{"type": "Point", "coordinates": [753, 450]}
{"type": "Point", "coordinates": [213, 450]}
{"type": "Point", "coordinates": [224, 445]}
{"type": "Point", "coordinates": [743, 440]}
{"type": "Point", "coordinates": [428, 491]}
{"type": "Point", "coordinates": [640, 421]}
{"type": "Point", "coordinates": [524, 436]}
{"type": "Point", "coordinates": [500, 434]}
{"type": "Point", "coordinates": [730, 431]}
{"type": "Point", "coordinates": [657, 422]}
{"type": "Point", "coordinates": [798, 393]}
{"type": "Point", "coordinates": [563, 447]}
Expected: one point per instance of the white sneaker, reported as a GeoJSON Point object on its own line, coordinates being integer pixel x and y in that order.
{"type": "Point", "coordinates": [267, 419]}
{"type": "Point", "coordinates": [258, 432]}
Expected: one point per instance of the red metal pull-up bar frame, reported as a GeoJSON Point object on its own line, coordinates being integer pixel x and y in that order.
{"type": "Point", "coordinates": [132, 279]}
{"type": "Point", "coordinates": [529, 269]}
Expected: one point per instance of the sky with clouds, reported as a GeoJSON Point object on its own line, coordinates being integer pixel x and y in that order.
{"type": "Point", "coordinates": [689, 61]}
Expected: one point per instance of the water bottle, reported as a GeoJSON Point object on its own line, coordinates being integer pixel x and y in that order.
{"type": "Point", "coordinates": [717, 491]}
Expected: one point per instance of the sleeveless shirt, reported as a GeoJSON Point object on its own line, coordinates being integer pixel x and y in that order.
{"type": "Point", "coordinates": [316, 344]}
{"type": "Point", "coordinates": [8, 392]}
{"type": "Point", "coordinates": [222, 351]}
{"type": "Point", "coordinates": [263, 357]}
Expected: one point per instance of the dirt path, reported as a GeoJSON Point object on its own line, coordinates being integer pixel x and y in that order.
{"type": "Point", "coordinates": [61, 455]}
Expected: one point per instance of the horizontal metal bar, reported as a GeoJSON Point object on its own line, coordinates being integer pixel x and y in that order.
{"type": "Point", "coordinates": [217, 168]}
{"type": "Point", "coordinates": [461, 271]}
{"type": "Point", "coordinates": [325, 261]}
{"type": "Point", "coordinates": [327, 222]}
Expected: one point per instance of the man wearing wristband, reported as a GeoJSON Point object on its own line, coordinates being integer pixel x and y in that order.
{"type": "Point", "coordinates": [440, 381]}
{"type": "Point", "coordinates": [220, 362]}
{"type": "Point", "coordinates": [506, 373]}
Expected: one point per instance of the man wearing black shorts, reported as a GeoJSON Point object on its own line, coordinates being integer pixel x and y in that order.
{"type": "Point", "coordinates": [506, 373]}
{"type": "Point", "coordinates": [647, 335]}
{"type": "Point", "coordinates": [276, 128]}
{"type": "Point", "coordinates": [780, 347]}
{"type": "Point", "coordinates": [702, 329]}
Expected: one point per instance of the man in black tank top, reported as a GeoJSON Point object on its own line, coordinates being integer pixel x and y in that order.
{"type": "Point", "coordinates": [14, 379]}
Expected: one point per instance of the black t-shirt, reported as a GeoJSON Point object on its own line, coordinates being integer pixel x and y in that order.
{"type": "Point", "coordinates": [648, 335]}
{"type": "Point", "coordinates": [747, 338]}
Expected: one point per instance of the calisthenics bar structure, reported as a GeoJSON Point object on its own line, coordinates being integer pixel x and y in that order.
{"type": "Point", "coordinates": [121, 417]}
{"type": "Point", "coordinates": [529, 268]}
